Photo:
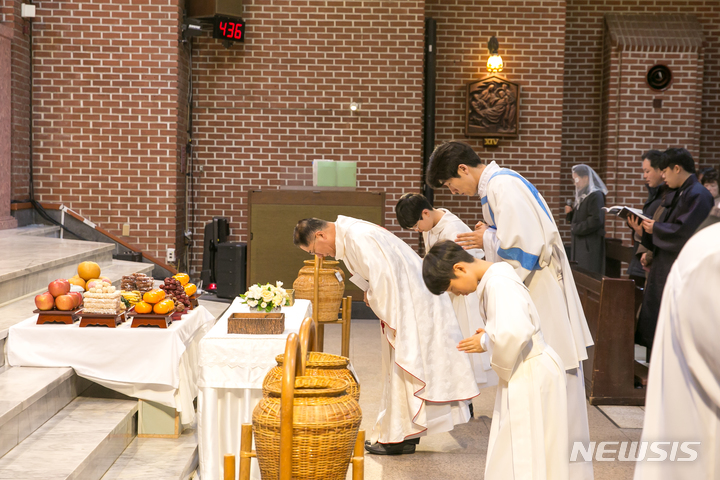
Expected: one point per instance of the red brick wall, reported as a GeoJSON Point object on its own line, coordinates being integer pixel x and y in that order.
{"type": "Point", "coordinates": [20, 91]}
{"type": "Point", "coordinates": [106, 108]}
{"type": "Point", "coordinates": [582, 110]}
{"type": "Point", "coordinates": [265, 109]}
{"type": "Point", "coordinates": [532, 45]}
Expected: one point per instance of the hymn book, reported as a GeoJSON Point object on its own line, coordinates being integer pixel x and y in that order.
{"type": "Point", "coordinates": [623, 212]}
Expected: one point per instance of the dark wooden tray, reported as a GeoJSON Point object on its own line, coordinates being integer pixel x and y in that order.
{"type": "Point", "coordinates": [194, 300]}
{"type": "Point", "coordinates": [65, 317]}
{"type": "Point", "coordinates": [150, 320]}
{"type": "Point", "coordinates": [178, 315]}
{"type": "Point", "coordinates": [101, 320]}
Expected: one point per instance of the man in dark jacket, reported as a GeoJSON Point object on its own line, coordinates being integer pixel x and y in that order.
{"type": "Point", "coordinates": [684, 212]}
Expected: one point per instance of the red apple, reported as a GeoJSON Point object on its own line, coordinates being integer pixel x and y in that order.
{"type": "Point", "coordinates": [45, 301]}
{"type": "Point", "coordinates": [65, 302]}
{"type": "Point", "coordinates": [78, 298]}
{"type": "Point", "coordinates": [59, 287]}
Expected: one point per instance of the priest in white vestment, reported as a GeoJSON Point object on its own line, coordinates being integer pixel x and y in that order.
{"type": "Point", "coordinates": [682, 407]}
{"type": "Point", "coordinates": [414, 212]}
{"type": "Point", "coordinates": [520, 230]}
{"type": "Point", "coordinates": [426, 380]}
{"type": "Point", "coordinates": [529, 431]}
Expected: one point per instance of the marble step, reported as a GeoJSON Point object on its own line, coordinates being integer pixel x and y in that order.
{"type": "Point", "coordinates": [21, 308]}
{"type": "Point", "coordinates": [31, 262]}
{"type": "Point", "coordinates": [81, 442]}
{"type": "Point", "coordinates": [37, 230]}
{"type": "Point", "coordinates": [30, 396]}
{"type": "Point", "coordinates": [157, 459]}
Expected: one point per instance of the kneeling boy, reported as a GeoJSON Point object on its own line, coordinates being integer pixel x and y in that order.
{"type": "Point", "coordinates": [529, 426]}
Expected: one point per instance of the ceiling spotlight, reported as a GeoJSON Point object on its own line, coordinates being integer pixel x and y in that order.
{"type": "Point", "coordinates": [354, 106]}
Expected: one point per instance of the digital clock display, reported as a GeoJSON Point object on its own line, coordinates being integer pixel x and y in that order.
{"type": "Point", "coordinates": [229, 28]}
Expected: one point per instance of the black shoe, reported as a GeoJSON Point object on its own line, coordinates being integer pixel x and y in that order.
{"type": "Point", "coordinates": [402, 448]}
{"type": "Point", "coordinates": [472, 411]}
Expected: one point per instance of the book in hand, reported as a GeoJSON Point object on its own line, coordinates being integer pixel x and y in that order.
{"type": "Point", "coordinates": [623, 212]}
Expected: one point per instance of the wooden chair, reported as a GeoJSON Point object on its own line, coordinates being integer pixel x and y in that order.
{"type": "Point", "coordinates": [344, 320]}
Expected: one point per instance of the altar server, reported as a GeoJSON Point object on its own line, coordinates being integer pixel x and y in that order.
{"type": "Point", "coordinates": [519, 230]}
{"type": "Point", "coordinates": [414, 212]}
{"type": "Point", "coordinates": [529, 432]}
{"type": "Point", "coordinates": [683, 392]}
{"type": "Point", "coordinates": [426, 381]}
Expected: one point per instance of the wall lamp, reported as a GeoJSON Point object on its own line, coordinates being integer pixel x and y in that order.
{"type": "Point", "coordinates": [495, 62]}
{"type": "Point", "coordinates": [354, 106]}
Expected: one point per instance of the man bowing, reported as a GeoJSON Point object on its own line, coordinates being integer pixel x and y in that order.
{"type": "Point", "coordinates": [426, 380]}
{"type": "Point", "coordinates": [519, 230]}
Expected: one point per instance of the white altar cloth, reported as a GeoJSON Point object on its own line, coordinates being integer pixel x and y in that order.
{"type": "Point", "coordinates": [232, 369]}
{"type": "Point", "coordinates": [154, 364]}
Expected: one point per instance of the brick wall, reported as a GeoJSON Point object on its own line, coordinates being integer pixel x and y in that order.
{"type": "Point", "coordinates": [265, 109]}
{"type": "Point", "coordinates": [582, 109]}
{"type": "Point", "coordinates": [20, 91]}
{"type": "Point", "coordinates": [532, 45]}
{"type": "Point", "coordinates": [106, 107]}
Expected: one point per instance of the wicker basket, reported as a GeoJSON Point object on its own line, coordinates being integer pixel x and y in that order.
{"type": "Point", "coordinates": [331, 289]}
{"type": "Point", "coordinates": [319, 365]}
{"type": "Point", "coordinates": [256, 323]}
{"type": "Point", "coordinates": [325, 425]}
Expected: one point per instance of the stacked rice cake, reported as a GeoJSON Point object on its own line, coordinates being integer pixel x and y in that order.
{"type": "Point", "coordinates": [105, 300]}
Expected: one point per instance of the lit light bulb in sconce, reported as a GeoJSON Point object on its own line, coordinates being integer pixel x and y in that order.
{"type": "Point", "coordinates": [495, 61]}
{"type": "Point", "coordinates": [354, 106]}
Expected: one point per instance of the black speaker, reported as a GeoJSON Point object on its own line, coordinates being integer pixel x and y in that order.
{"type": "Point", "coordinates": [216, 232]}
{"type": "Point", "coordinates": [230, 268]}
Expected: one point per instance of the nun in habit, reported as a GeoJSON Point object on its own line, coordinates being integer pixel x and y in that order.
{"type": "Point", "coordinates": [588, 219]}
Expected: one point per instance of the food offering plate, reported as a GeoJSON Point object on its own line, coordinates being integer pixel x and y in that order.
{"type": "Point", "coordinates": [150, 319]}
{"type": "Point", "coordinates": [194, 300]}
{"type": "Point", "coordinates": [102, 319]}
{"type": "Point", "coordinates": [64, 317]}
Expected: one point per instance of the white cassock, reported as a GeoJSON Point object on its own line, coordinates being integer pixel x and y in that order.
{"type": "Point", "coordinates": [683, 393]}
{"type": "Point", "coordinates": [526, 237]}
{"type": "Point", "coordinates": [467, 308]}
{"type": "Point", "coordinates": [426, 380]}
{"type": "Point", "coordinates": [529, 432]}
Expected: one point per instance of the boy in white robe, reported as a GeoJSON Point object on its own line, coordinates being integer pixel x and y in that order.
{"type": "Point", "coordinates": [529, 433]}
{"type": "Point", "coordinates": [518, 229]}
{"type": "Point", "coordinates": [683, 391]}
{"type": "Point", "coordinates": [414, 212]}
{"type": "Point", "coordinates": [425, 380]}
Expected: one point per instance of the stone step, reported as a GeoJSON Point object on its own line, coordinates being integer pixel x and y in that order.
{"type": "Point", "coordinates": [81, 442]}
{"type": "Point", "coordinates": [36, 230]}
{"type": "Point", "coordinates": [21, 308]}
{"type": "Point", "coordinates": [157, 459]}
{"type": "Point", "coordinates": [31, 262]}
{"type": "Point", "coordinates": [30, 396]}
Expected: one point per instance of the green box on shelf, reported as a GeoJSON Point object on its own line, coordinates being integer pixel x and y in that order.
{"type": "Point", "coordinates": [346, 174]}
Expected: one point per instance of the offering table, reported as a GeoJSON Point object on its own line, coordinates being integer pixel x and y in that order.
{"type": "Point", "coordinates": [157, 365]}
{"type": "Point", "coordinates": [232, 369]}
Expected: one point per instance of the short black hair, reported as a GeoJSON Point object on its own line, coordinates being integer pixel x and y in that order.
{"type": "Point", "coordinates": [439, 262]}
{"type": "Point", "coordinates": [581, 170]}
{"type": "Point", "coordinates": [305, 229]}
{"type": "Point", "coordinates": [409, 209]}
{"type": "Point", "coordinates": [446, 159]}
{"type": "Point", "coordinates": [678, 156]}
{"type": "Point", "coordinates": [710, 175]}
{"type": "Point", "coordinates": [654, 157]}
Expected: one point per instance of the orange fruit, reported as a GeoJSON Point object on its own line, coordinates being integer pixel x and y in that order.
{"type": "Point", "coordinates": [143, 307]}
{"type": "Point", "coordinates": [88, 270]}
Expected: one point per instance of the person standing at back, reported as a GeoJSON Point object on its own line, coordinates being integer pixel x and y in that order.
{"type": "Point", "coordinates": [684, 212]}
{"type": "Point", "coordinates": [588, 219]}
{"type": "Point", "coordinates": [521, 232]}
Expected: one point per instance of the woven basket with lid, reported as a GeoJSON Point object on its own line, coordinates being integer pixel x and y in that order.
{"type": "Point", "coordinates": [331, 289]}
{"type": "Point", "coordinates": [325, 425]}
{"type": "Point", "coordinates": [319, 364]}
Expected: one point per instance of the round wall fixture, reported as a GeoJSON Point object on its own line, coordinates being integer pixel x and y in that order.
{"type": "Point", "coordinates": [659, 77]}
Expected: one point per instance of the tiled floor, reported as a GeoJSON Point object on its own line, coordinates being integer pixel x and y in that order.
{"type": "Point", "coordinates": [460, 454]}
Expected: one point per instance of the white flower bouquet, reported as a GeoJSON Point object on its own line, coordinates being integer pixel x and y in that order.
{"type": "Point", "coordinates": [266, 297]}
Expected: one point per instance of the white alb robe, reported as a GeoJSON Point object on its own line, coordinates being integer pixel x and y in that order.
{"type": "Point", "coordinates": [683, 392]}
{"type": "Point", "coordinates": [467, 309]}
{"type": "Point", "coordinates": [529, 432]}
{"type": "Point", "coordinates": [426, 379]}
{"type": "Point", "coordinates": [525, 235]}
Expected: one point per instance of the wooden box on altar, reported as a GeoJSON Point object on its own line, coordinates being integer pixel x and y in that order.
{"type": "Point", "coordinates": [256, 323]}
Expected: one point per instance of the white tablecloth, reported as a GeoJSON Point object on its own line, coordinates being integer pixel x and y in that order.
{"type": "Point", "coordinates": [232, 369]}
{"type": "Point", "coordinates": [153, 364]}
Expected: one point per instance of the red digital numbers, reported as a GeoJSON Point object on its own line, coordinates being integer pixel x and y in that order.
{"type": "Point", "coordinates": [238, 31]}
{"type": "Point", "coordinates": [222, 27]}
{"type": "Point", "coordinates": [231, 30]}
